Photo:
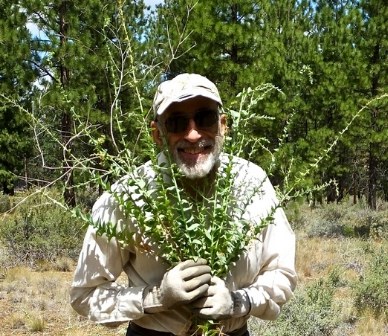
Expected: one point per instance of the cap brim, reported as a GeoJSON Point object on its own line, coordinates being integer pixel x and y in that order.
{"type": "Point", "coordinates": [185, 96]}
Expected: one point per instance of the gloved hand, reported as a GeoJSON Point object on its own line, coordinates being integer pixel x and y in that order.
{"type": "Point", "coordinates": [220, 303]}
{"type": "Point", "coordinates": [184, 283]}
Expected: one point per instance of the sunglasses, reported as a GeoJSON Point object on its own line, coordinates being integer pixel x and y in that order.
{"type": "Point", "coordinates": [204, 119]}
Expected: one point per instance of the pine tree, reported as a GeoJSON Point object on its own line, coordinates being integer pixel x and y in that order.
{"type": "Point", "coordinates": [217, 39]}
{"type": "Point", "coordinates": [374, 48]}
{"type": "Point", "coordinates": [86, 62]}
{"type": "Point", "coordinates": [16, 80]}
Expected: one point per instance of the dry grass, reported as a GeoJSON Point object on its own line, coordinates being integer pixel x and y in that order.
{"type": "Point", "coordinates": [37, 302]}
{"type": "Point", "coordinates": [371, 326]}
{"type": "Point", "coordinates": [318, 257]}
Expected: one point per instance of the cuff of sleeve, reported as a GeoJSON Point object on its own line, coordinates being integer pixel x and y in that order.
{"type": "Point", "coordinates": [130, 303]}
{"type": "Point", "coordinates": [262, 305]}
{"type": "Point", "coordinates": [151, 300]}
{"type": "Point", "coordinates": [241, 303]}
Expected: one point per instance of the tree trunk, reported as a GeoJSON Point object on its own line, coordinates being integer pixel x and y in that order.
{"type": "Point", "coordinates": [69, 193]}
{"type": "Point", "coordinates": [26, 179]}
{"type": "Point", "coordinates": [373, 159]}
{"type": "Point", "coordinates": [372, 179]}
{"type": "Point", "coordinates": [355, 187]}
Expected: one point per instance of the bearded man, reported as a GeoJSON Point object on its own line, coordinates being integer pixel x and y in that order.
{"type": "Point", "coordinates": [189, 128]}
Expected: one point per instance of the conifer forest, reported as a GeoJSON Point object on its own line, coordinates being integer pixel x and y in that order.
{"type": "Point", "coordinates": [77, 80]}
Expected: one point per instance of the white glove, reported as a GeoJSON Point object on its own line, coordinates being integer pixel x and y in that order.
{"type": "Point", "coordinates": [184, 283]}
{"type": "Point", "coordinates": [220, 303]}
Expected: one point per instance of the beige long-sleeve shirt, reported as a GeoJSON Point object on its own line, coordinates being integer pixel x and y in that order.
{"type": "Point", "coordinates": [265, 270]}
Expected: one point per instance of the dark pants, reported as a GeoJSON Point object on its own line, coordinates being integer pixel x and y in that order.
{"type": "Point", "coordinates": [134, 330]}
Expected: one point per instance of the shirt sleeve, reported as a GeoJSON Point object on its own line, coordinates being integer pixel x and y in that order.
{"type": "Point", "coordinates": [277, 277]}
{"type": "Point", "coordinates": [95, 292]}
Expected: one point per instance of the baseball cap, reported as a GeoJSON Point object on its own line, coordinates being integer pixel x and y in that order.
{"type": "Point", "coordinates": [182, 87]}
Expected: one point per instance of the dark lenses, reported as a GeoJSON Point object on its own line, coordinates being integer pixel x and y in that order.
{"type": "Point", "coordinates": [206, 118]}
{"type": "Point", "coordinates": [203, 119]}
{"type": "Point", "coordinates": [177, 124]}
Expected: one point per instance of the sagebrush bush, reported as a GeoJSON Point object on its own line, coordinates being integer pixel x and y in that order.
{"type": "Point", "coordinates": [371, 292]}
{"type": "Point", "coordinates": [341, 220]}
{"type": "Point", "coordinates": [40, 230]}
{"type": "Point", "coordinates": [310, 313]}
{"type": "Point", "coordinates": [328, 222]}
{"type": "Point", "coordinates": [63, 264]}
{"type": "Point", "coordinates": [368, 223]}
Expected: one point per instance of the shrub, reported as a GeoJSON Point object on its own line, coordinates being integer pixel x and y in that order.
{"type": "Point", "coordinates": [40, 231]}
{"type": "Point", "coordinates": [328, 222]}
{"type": "Point", "coordinates": [296, 216]}
{"type": "Point", "coordinates": [365, 223]}
{"type": "Point", "coordinates": [371, 291]}
{"type": "Point", "coordinates": [63, 264]}
{"type": "Point", "coordinates": [36, 324]}
{"type": "Point", "coordinates": [310, 313]}
{"type": "Point", "coordinates": [340, 220]}
{"type": "Point", "coordinates": [5, 203]}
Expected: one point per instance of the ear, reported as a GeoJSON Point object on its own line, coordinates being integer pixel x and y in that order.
{"type": "Point", "coordinates": [156, 135]}
{"type": "Point", "coordinates": [223, 124]}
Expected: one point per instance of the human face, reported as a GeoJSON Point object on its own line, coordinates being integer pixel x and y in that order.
{"type": "Point", "coordinates": [197, 147]}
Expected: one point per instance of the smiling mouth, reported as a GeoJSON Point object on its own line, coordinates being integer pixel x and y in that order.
{"type": "Point", "coordinates": [195, 150]}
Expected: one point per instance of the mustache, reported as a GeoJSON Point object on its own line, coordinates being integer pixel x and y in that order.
{"type": "Point", "coordinates": [184, 144]}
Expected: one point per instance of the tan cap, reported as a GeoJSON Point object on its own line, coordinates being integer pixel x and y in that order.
{"type": "Point", "coordinates": [182, 87]}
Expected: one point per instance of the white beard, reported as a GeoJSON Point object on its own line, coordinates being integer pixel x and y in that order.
{"type": "Point", "coordinates": [203, 167]}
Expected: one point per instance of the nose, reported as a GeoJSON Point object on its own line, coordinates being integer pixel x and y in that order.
{"type": "Point", "coordinates": [192, 134]}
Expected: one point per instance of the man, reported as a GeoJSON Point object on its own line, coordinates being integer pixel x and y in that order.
{"type": "Point", "coordinates": [162, 300]}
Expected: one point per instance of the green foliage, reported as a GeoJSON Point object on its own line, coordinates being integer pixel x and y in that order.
{"type": "Point", "coordinates": [295, 215]}
{"type": "Point", "coordinates": [210, 227]}
{"type": "Point", "coordinates": [98, 80]}
{"type": "Point", "coordinates": [367, 223]}
{"type": "Point", "coordinates": [311, 313]}
{"type": "Point", "coordinates": [40, 230]}
{"type": "Point", "coordinates": [87, 84]}
{"type": "Point", "coordinates": [371, 290]}
{"type": "Point", "coordinates": [16, 80]}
